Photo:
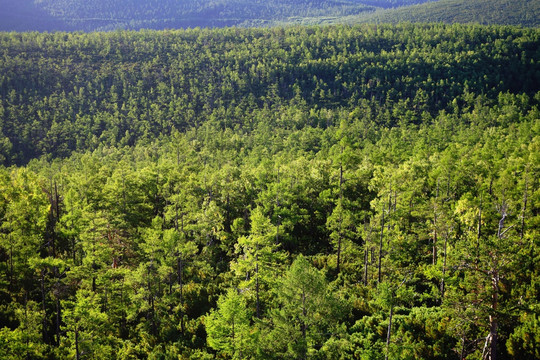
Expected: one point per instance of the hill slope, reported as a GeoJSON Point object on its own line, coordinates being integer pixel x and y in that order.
{"type": "Point", "coordinates": [64, 92]}
{"type": "Point", "coordinates": [68, 15]}
{"type": "Point", "coordinates": [500, 12]}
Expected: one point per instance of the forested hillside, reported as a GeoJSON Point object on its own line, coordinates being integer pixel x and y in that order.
{"type": "Point", "coordinates": [83, 15]}
{"type": "Point", "coordinates": [63, 92]}
{"type": "Point", "coordinates": [103, 15]}
{"type": "Point", "coordinates": [501, 12]}
{"type": "Point", "coordinates": [364, 192]}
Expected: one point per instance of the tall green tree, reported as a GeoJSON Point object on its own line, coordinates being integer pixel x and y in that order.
{"type": "Point", "coordinates": [228, 326]}
{"type": "Point", "coordinates": [306, 312]}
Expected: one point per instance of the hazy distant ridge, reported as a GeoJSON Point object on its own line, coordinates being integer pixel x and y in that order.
{"type": "Point", "coordinates": [68, 15]}
{"type": "Point", "coordinates": [500, 12]}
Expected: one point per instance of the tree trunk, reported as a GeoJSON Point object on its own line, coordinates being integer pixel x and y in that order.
{"type": "Point", "coordinates": [462, 353]}
{"type": "Point", "coordinates": [257, 286]}
{"type": "Point", "coordinates": [367, 242]}
{"type": "Point", "coordinates": [435, 224]}
{"type": "Point", "coordinates": [434, 253]}
{"type": "Point", "coordinates": [180, 283]}
{"type": "Point", "coordinates": [44, 321]}
{"type": "Point", "coordinates": [303, 324]}
{"type": "Point", "coordinates": [493, 319]}
{"type": "Point", "coordinates": [365, 266]}
{"type": "Point", "coordinates": [409, 215]}
{"type": "Point", "coordinates": [389, 221]}
{"type": "Point", "coordinates": [341, 213]}
{"type": "Point", "coordinates": [338, 253]}
{"type": "Point", "coordinates": [10, 265]}
{"type": "Point", "coordinates": [77, 353]}
{"type": "Point", "coordinates": [444, 265]}
{"type": "Point", "coordinates": [58, 320]}
{"type": "Point", "coordinates": [380, 246]}
{"type": "Point", "coordinates": [389, 332]}
{"type": "Point", "coordinates": [495, 278]}
{"type": "Point", "coordinates": [176, 216]}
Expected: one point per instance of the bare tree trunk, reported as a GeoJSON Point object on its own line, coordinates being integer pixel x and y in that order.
{"type": "Point", "coordinates": [77, 352]}
{"type": "Point", "coordinates": [444, 265]}
{"type": "Point", "coordinates": [258, 306]}
{"type": "Point", "coordinates": [367, 241]}
{"type": "Point", "coordinates": [389, 221]}
{"type": "Point", "coordinates": [495, 278]}
{"type": "Point", "coordinates": [180, 283]}
{"type": "Point", "coordinates": [389, 332]}
{"type": "Point", "coordinates": [493, 319]}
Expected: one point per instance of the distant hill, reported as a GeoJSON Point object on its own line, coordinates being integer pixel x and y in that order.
{"type": "Point", "coordinates": [83, 15]}
{"type": "Point", "coordinates": [500, 12]}
{"type": "Point", "coordinates": [106, 15]}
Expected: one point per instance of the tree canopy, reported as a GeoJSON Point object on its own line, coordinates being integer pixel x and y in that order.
{"type": "Point", "coordinates": [341, 192]}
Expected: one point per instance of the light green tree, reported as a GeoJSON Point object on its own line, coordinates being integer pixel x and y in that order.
{"type": "Point", "coordinates": [87, 328]}
{"type": "Point", "coordinates": [305, 312]}
{"type": "Point", "coordinates": [258, 260]}
{"type": "Point", "coordinates": [228, 326]}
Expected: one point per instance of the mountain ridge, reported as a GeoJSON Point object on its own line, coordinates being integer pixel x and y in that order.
{"type": "Point", "coordinates": [495, 12]}
{"type": "Point", "coordinates": [100, 15]}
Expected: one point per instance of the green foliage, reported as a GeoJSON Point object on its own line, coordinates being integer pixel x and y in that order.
{"type": "Point", "coordinates": [124, 88]}
{"type": "Point", "coordinates": [525, 339]}
{"type": "Point", "coordinates": [201, 181]}
{"type": "Point", "coordinates": [24, 341]}
{"type": "Point", "coordinates": [228, 326]}
{"type": "Point", "coordinates": [307, 312]}
{"type": "Point", "coordinates": [86, 328]}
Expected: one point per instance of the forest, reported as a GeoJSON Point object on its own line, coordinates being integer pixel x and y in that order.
{"type": "Point", "coordinates": [104, 15]}
{"type": "Point", "coordinates": [340, 192]}
{"type": "Point", "coordinates": [502, 12]}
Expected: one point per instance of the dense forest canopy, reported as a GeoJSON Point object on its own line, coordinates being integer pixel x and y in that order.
{"type": "Point", "coordinates": [336, 192]}
{"type": "Point", "coordinates": [82, 15]}
{"type": "Point", "coordinates": [63, 92]}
